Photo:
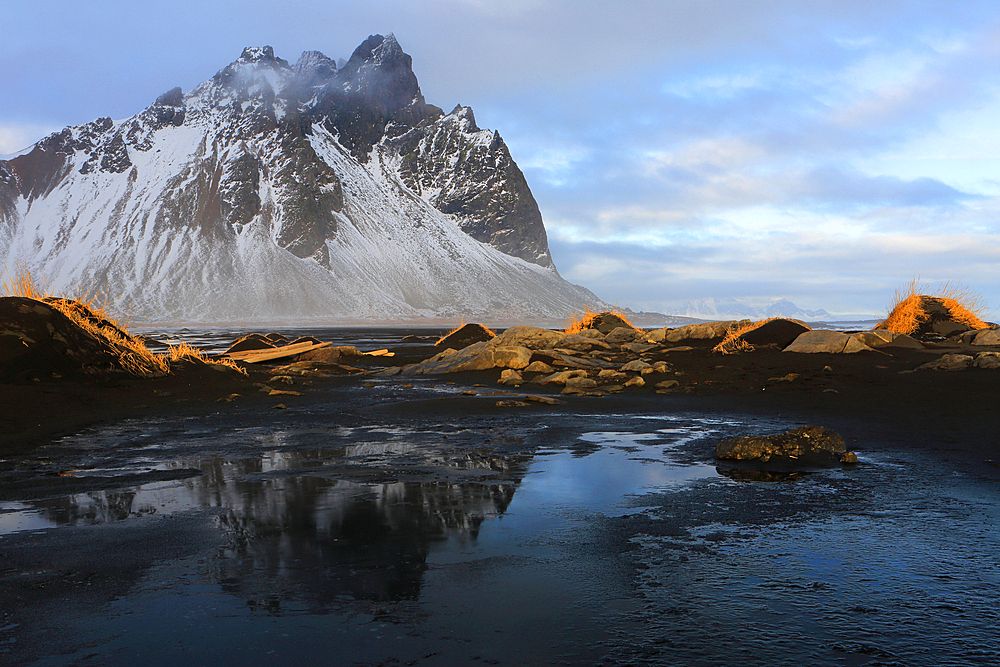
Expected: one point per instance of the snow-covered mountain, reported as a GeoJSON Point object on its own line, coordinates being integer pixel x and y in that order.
{"type": "Point", "coordinates": [272, 191]}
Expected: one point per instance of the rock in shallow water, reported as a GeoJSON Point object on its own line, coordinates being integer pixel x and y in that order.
{"type": "Point", "coordinates": [802, 446]}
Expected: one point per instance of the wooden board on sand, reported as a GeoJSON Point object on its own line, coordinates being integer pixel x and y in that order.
{"type": "Point", "coordinates": [270, 354]}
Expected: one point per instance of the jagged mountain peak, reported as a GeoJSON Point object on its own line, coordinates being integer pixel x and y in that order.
{"type": "Point", "coordinates": [315, 65]}
{"type": "Point", "coordinates": [260, 54]}
{"type": "Point", "coordinates": [465, 117]}
{"type": "Point", "coordinates": [269, 190]}
{"type": "Point", "coordinates": [380, 51]}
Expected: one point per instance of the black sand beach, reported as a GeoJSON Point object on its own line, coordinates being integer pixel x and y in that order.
{"type": "Point", "coordinates": [427, 520]}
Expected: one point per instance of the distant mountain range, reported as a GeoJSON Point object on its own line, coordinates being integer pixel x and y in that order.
{"type": "Point", "coordinates": [739, 309]}
{"type": "Point", "coordinates": [274, 191]}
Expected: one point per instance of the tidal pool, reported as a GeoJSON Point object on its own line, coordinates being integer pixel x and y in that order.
{"type": "Point", "coordinates": [560, 539]}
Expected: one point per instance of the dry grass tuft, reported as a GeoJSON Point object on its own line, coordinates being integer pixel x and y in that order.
{"type": "Point", "coordinates": [907, 314]}
{"type": "Point", "coordinates": [577, 323]}
{"type": "Point", "coordinates": [186, 351]}
{"type": "Point", "coordinates": [734, 343]}
{"type": "Point", "coordinates": [133, 356]}
{"type": "Point", "coordinates": [22, 284]}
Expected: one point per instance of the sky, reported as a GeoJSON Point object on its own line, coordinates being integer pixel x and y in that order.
{"type": "Point", "coordinates": [825, 152]}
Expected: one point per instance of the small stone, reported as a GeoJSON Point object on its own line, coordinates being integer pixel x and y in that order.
{"type": "Point", "coordinates": [948, 362]}
{"type": "Point", "coordinates": [849, 458]}
{"type": "Point", "coordinates": [580, 383]}
{"type": "Point", "coordinates": [547, 400]}
{"type": "Point", "coordinates": [539, 367]}
{"type": "Point", "coordinates": [510, 377]}
{"type": "Point", "coordinates": [637, 381]}
{"type": "Point", "coordinates": [280, 406]}
{"type": "Point", "coordinates": [635, 366]}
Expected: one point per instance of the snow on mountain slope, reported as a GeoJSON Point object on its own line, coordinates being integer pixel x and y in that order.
{"type": "Point", "coordinates": [277, 192]}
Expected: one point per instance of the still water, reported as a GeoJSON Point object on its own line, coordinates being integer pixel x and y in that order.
{"type": "Point", "coordinates": [352, 532]}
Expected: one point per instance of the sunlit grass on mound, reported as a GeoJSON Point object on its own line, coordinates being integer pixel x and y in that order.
{"type": "Point", "coordinates": [184, 351]}
{"type": "Point", "coordinates": [907, 312]}
{"type": "Point", "coordinates": [133, 356]}
{"type": "Point", "coordinates": [734, 343]}
{"type": "Point", "coordinates": [576, 323]}
{"type": "Point", "coordinates": [462, 323]}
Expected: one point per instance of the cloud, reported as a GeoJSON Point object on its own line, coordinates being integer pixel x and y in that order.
{"type": "Point", "coordinates": [824, 151]}
{"type": "Point", "coordinates": [15, 137]}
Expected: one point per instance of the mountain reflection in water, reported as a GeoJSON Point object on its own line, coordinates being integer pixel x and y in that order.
{"type": "Point", "coordinates": [284, 519]}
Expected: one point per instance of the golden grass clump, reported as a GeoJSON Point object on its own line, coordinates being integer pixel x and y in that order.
{"type": "Point", "coordinates": [95, 320]}
{"type": "Point", "coordinates": [22, 284]}
{"type": "Point", "coordinates": [734, 343]}
{"type": "Point", "coordinates": [907, 313]}
{"type": "Point", "coordinates": [187, 351]}
{"type": "Point", "coordinates": [577, 323]}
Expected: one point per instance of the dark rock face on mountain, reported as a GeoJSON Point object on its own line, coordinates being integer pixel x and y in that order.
{"type": "Point", "coordinates": [483, 188]}
{"type": "Point", "coordinates": [285, 189]}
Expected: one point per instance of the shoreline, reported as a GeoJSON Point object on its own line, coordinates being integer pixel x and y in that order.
{"type": "Point", "coordinates": [857, 392]}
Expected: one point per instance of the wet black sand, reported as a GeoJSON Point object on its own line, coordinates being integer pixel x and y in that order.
{"type": "Point", "coordinates": [890, 563]}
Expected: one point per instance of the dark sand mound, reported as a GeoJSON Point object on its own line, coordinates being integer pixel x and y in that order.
{"type": "Point", "coordinates": [250, 342]}
{"type": "Point", "coordinates": [921, 315]}
{"type": "Point", "coordinates": [465, 336]}
{"type": "Point", "coordinates": [38, 339]}
{"type": "Point", "coordinates": [605, 322]}
{"type": "Point", "coordinates": [778, 332]}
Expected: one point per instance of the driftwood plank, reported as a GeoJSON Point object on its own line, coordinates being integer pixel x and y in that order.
{"type": "Point", "coordinates": [257, 356]}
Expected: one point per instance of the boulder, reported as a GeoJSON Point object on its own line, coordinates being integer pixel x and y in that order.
{"type": "Point", "coordinates": [475, 357]}
{"type": "Point", "coordinates": [510, 377]}
{"type": "Point", "coordinates": [904, 341]}
{"type": "Point", "coordinates": [801, 446]}
{"type": "Point", "coordinates": [987, 337]}
{"type": "Point", "coordinates": [580, 383]}
{"type": "Point", "coordinates": [609, 375]}
{"type": "Point", "coordinates": [465, 336]}
{"type": "Point", "coordinates": [854, 345]}
{"type": "Point", "coordinates": [879, 338]}
{"type": "Point", "coordinates": [635, 366]}
{"type": "Point", "coordinates": [539, 367]}
{"type": "Point", "coordinates": [819, 341]}
{"type": "Point", "coordinates": [706, 331]}
{"type": "Point", "coordinates": [780, 332]}
{"type": "Point", "coordinates": [947, 362]}
{"type": "Point", "coordinates": [532, 338]}
{"type": "Point", "coordinates": [624, 334]}
{"type": "Point", "coordinates": [638, 348]}
{"type": "Point", "coordinates": [987, 360]}
{"type": "Point", "coordinates": [562, 376]}
{"type": "Point", "coordinates": [511, 357]}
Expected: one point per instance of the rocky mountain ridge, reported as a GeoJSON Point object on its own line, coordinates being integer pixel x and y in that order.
{"type": "Point", "coordinates": [279, 190]}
